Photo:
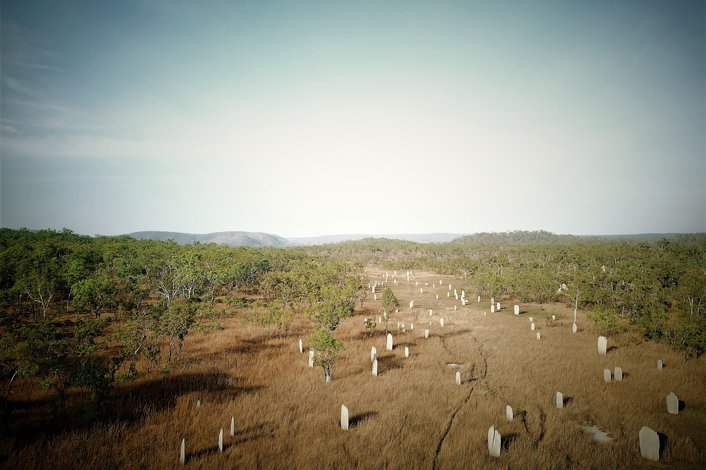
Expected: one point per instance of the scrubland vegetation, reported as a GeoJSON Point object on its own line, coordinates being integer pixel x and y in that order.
{"type": "Point", "coordinates": [658, 289]}
{"type": "Point", "coordinates": [108, 343]}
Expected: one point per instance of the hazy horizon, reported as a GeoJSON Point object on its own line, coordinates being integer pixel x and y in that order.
{"type": "Point", "coordinates": [343, 236]}
{"type": "Point", "coordinates": [353, 118]}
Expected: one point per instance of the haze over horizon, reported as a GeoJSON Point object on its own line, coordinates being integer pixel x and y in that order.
{"type": "Point", "coordinates": [317, 118]}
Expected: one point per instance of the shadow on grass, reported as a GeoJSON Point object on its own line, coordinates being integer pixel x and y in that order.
{"type": "Point", "coordinates": [370, 335]}
{"type": "Point", "coordinates": [163, 392]}
{"type": "Point", "coordinates": [388, 363]}
{"type": "Point", "coordinates": [248, 347]}
{"type": "Point", "coordinates": [253, 433]}
{"type": "Point", "coordinates": [360, 418]}
{"type": "Point", "coordinates": [251, 345]}
{"type": "Point", "coordinates": [128, 403]}
{"type": "Point", "coordinates": [663, 443]}
{"type": "Point", "coordinates": [506, 441]}
{"type": "Point", "coordinates": [454, 333]}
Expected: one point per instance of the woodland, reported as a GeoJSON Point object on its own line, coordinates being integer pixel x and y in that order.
{"type": "Point", "coordinates": [81, 315]}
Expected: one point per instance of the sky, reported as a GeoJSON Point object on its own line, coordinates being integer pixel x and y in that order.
{"type": "Point", "coordinates": [305, 118]}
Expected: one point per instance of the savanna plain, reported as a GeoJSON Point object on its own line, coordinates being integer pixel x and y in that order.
{"type": "Point", "coordinates": [413, 414]}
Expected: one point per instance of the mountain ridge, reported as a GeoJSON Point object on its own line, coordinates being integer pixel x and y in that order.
{"type": "Point", "coordinates": [257, 239]}
{"type": "Point", "coordinates": [230, 238]}
{"type": "Point", "coordinates": [263, 239]}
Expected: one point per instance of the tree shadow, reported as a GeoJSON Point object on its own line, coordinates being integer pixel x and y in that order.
{"type": "Point", "coordinates": [128, 403]}
{"type": "Point", "coordinates": [364, 312]}
{"type": "Point", "coordinates": [163, 392]}
{"type": "Point", "coordinates": [454, 333]}
{"type": "Point", "coordinates": [368, 335]}
{"type": "Point", "coordinates": [387, 363]}
{"type": "Point", "coordinates": [249, 346]}
{"type": "Point", "coordinates": [360, 418]}
{"type": "Point", "coordinates": [261, 431]}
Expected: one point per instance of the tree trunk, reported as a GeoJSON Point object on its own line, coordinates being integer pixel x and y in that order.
{"type": "Point", "coordinates": [9, 384]}
{"type": "Point", "coordinates": [6, 408]}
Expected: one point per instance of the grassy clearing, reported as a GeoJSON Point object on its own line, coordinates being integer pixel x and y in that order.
{"type": "Point", "coordinates": [412, 416]}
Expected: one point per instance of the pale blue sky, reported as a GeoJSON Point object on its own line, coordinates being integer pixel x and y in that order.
{"type": "Point", "coordinates": [307, 118]}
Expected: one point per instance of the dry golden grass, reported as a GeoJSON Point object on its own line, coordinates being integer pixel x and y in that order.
{"type": "Point", "coordinates": [413, 415]}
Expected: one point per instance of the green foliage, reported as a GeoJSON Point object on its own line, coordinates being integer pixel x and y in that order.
{"type": "Point", "coordinates": [239, 301]}
{"type": "Point", "coordinates": [625, 280]}
{"type": "Point", "coordinates": [325, 292]}
{"type": "Point", "coordinates": [331, 305]}
{"type": "Point", "coordinates": [518, 237]}
{"type": "Point", "coordinates": [19, 357]}
{"type": "Point", "coordinates": [175, 321]}
{"type": "Point", "coordinates": [207, 319]}
{"type": "Point", "coordinates": [149, 292]}
{"type": "Point", "coordinates": [95, 293]}
{"type": "Point", "coordinates": [276, 316]}
{"type": "Point", "coordinates": [389, 301]}
{"type": "Point", "coordinates": [370, 325]}
{"type": "Point", "coordinates": [96, 376]}
{"type": "Point", "coordinates": [327, 350]}
{"type": "Point", "coordinates": [607, 322]}
{"type": "Point", "coordinates": [133, 336]}
{"type": "Point", "coordinates": [653, 325]}
{"type": "Point", "coordinates": [688, 335]}
{"type": "Point", "coordinates": [60, 356]}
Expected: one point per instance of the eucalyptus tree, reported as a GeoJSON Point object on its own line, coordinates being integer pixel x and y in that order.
{"type": "Point", "coordinates": [389, 304]}
{"type": "Point", "coordinates": [95, 293]}
{"type": "Point", "coordinates": [327, 349]}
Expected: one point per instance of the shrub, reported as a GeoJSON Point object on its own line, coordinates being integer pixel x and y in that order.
{"type": "Point", "coordinates": [606, 321]}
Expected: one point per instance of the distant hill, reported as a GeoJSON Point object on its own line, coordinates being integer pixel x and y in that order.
{"type": "Point", "coordinates": [518, 237]}
{"type": "Point", "coordinates": [254, 239]}
{"type": "Point", "coordinates": [267, 239]}
{"type": "Point", "coordinates": [419, 238]}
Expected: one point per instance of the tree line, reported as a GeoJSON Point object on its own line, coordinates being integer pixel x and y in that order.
{"type": "Point", "coordinates": [79, 312]}
{"type": "Point", "coordinates": [657, 289]}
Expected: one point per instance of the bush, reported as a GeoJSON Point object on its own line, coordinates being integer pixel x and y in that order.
{"type": "Point", "coordinates": [688, 335]}
{"type": "Point", "coordinates": [606, 321]}
{"type": "Point", "coordinates": [652, 325]}
{"type": "Point", "coordinates": [327, 349]}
